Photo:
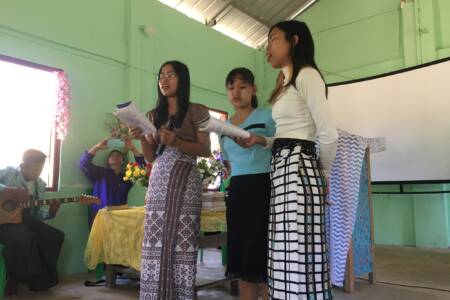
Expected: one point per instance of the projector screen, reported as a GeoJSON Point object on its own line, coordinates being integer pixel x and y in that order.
{"type": "Point", "coordinates": [411, 109]}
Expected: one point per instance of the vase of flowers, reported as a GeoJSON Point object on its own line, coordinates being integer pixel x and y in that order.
{"type": "Point", "coordinates": [138, 174]}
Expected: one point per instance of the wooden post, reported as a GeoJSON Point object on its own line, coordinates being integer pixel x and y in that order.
{"type": "Point", "coordinates": [349, 281]}
{"type": "Point", "coordinates": [372, 277]}
{"type": "Point", "coordinates": [110, 276]}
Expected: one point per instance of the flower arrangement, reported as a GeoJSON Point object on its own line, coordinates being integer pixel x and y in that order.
{"type": "Point", "coordinates": [138, 174]}
{"type": "Point", "coordinates": [210, 168]}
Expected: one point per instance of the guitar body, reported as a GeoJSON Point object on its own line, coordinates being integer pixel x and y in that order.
{"type": "Point", "coordinates": [14, 216]}
{"type": "Point", "coordinates": [11, 210]}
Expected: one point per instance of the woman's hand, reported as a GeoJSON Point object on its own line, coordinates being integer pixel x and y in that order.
{"type": "Point", "coordinates": [103, 144]}
{"type": "Point", "coordinates": [129, 144]}
{"type": "Point", "coordinates": [167, 137]}
{"type": "Point", "coordinates": [131, 147]}
{"type": "Point", "coordinates": [135, 132]}
{"type": "Point", "coordinates": [54, 207]}
{"type": "Point", "coordinates": [250, 141]}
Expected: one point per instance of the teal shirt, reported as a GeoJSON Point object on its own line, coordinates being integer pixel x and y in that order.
{"type": "Point", "coordinates": [256, 159]}
{"type": "Point", "coordinates": [13, 177]}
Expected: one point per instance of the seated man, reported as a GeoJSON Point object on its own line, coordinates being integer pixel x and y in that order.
{"type": "Point", "coordinates": [31, 247]}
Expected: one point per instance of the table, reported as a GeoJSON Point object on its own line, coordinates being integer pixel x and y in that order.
{"type": "Point", "coordinates": [116, 238]}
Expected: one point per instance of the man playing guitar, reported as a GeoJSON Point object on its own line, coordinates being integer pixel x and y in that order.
{"type": "Point", "coordinates": [31, 246]}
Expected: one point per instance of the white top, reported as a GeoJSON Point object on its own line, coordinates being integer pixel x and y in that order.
{"type": "Point", "coordinates": [302, 112]}
{"type": "Point", "coordinates": [31, 186]}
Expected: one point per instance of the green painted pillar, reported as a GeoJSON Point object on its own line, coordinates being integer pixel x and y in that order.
{"type": "Point", "coordinates": [409, 35]}
{"type": "Point", "coordinates": [426, 30]}
{"type": "Point", "coordinates": [446, 187]}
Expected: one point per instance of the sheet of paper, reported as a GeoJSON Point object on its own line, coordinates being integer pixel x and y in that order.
{"type": "Point", "coordinates": [221, 127]}
{"type": "Point", "coordinates": [131, 116]}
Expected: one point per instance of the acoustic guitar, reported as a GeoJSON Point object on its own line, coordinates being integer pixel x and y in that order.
{"type": "Point", "coordinates": [11, 210]}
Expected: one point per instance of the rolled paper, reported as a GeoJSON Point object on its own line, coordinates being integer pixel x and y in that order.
{"type": "Point", "coordinates": [223, 128]}
{"type": "Point", "coordinates": [130, 115]}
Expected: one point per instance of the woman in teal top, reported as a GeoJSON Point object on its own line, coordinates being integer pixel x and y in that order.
{"type": "Point", "coordinates": [249, 190]}
{"type": "Point", "coordinates": [255, 160]}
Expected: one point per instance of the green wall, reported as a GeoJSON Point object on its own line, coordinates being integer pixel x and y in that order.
{"type": "Point", "coordinates": [393, 217]}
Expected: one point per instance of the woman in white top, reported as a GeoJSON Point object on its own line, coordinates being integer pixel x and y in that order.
{"type": "Point", "coordinates": [298, 266]}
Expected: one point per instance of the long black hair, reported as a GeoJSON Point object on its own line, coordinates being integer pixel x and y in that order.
{"type": "Point", "coordinates": [245, 75]}
{"type": "Point", "coordinates": [302, 53]}
{"type": "Point", "coordinates": [183, 96]}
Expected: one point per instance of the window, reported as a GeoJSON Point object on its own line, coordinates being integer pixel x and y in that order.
{"type": "Point", "coordinates": [29, 98]}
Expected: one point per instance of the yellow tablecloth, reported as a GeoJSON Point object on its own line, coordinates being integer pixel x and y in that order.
{"type": "Point", "coordinates": [116, 236]}
{"type": "Point", "coordinates": [212, 221]}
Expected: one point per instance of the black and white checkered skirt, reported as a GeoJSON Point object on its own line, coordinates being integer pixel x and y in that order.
{"type": "Point", "coordinates": [298, 266]}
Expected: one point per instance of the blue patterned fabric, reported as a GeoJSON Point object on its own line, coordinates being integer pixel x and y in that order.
{"type": "Point", "coordinates": [361, 240]}
{"type": "Point", "coordinates": [344, 198]}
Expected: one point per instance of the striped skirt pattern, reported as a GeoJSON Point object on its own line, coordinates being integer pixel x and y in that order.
{"type": "Point", "coordinates": [298, 266]}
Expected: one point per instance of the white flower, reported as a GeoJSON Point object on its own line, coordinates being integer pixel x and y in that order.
{"type": "Point", "coordinates": [209, 169]}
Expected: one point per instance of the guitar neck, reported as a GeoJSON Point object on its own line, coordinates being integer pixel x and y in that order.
{"type": "Point", "coordinates": [34, 203]}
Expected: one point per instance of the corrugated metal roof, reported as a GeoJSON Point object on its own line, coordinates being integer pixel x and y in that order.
{"type": "Point", "coordinates": [247, 21]}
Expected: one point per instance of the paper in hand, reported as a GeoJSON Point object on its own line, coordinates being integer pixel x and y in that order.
{"type": "Point", "coordinates": [221, 127]}
{"type": "Point", "coordinates": [130, 115]}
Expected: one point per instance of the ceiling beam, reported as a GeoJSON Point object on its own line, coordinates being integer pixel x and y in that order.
{"type": "Point", "coordinates": [302, 9]}
{"type": "Point", "coordinates": [212, 21]}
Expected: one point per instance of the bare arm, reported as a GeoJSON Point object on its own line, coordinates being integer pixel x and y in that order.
{"type": "Point", "coordinates": [130, 147]}
{"type": "Point", "coordinates": [103, 144]}
{"type": "Point", "coordinates": [92, 171]}
{"type": "Point", "coordinates": [149, 146]}
{"type": "Point", "coordinates": [148, 143]}
{"type": "Point", "coordinates": [251, 141]}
